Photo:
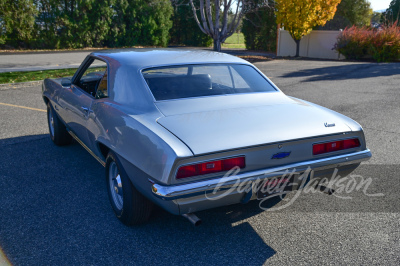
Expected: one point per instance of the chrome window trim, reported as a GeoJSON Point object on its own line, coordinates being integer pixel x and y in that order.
{"type": "Point", "coordinates": [211, 63]}
{"type": "Point", "coordinates": [83, 68]}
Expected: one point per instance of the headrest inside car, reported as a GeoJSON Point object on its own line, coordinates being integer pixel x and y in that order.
{"type": "Point", "coordinates": [182, 86]}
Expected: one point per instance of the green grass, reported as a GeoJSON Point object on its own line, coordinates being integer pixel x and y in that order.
{"type": "Point", "coordinates": [235, 41]}
{"type": "Point", "coordinates": [13, 77]}
{"type": "Point", "coordinates": [236, 38]}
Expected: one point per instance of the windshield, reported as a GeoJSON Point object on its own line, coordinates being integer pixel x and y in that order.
{"type": "Point", "coordinates": [175, 82]}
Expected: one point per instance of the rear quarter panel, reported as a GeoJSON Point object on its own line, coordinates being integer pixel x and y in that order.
{"type": "Point", "coordinates": [137, 138]}
{"type": "Point", "coordinates": [51, 90]}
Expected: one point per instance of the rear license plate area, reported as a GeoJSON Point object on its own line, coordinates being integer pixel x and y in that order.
{"type": "Point", "coordinates": [281, 185]}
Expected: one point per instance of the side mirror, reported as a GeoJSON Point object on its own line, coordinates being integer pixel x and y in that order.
{"type": "Point", "coordinates": [66, 82]}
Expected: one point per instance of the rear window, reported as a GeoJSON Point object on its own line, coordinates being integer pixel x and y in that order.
{"type": "Point", "coordinates": [176, 82]}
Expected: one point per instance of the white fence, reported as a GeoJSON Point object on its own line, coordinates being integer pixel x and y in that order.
{"type": "Point", "coordinates": [317, 44]}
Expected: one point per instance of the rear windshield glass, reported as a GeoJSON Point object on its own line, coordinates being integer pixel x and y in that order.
{"type": "Point", "coordinates": [175, 82]}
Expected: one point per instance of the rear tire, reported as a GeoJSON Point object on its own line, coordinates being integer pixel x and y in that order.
{"type": "Point", "coordinates": [129, 205]}
{"type": "Point", "coordinates": [58, 132]}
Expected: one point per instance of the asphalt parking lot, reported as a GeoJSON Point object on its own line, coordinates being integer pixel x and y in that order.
{"type": "Point", "coordinates": [54, 207]}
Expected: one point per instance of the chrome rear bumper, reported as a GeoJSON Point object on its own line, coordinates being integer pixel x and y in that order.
{"type": "Point", "coordinates": [196, 188]}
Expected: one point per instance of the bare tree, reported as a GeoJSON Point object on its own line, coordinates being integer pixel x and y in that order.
{"type": "Point", "coordinates": [214, 17]}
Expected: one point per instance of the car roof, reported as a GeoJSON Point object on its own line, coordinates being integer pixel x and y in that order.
{"type": "Point", "coordinates": [148, 57]}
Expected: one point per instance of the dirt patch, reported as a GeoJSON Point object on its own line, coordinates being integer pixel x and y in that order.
{"type": "Point", "coordinates": [255, 58]}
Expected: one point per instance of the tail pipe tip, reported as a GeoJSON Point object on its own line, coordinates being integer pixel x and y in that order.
{"type": "Point", "coordinates": [192, 218]}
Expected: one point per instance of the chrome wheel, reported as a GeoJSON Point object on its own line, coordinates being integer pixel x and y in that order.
{"type": "Point", "coordinates": [115, 183]}
{"type": "Point", "coordinates": [128, 204]}
{"type": "Point", "coordinates": [51, 122]}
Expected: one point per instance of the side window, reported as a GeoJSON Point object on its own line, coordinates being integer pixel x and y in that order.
{"type": "Point", "coordinates": [93, 76]}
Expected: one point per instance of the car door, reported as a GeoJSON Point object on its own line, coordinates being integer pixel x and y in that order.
{"type": "Point", "coordinates": [78, 99]}
{"type": "Point", "coordinates": [94, 128]}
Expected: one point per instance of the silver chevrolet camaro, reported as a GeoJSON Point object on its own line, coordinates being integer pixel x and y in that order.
{"type": "Point", "coordinates": [187, 130]}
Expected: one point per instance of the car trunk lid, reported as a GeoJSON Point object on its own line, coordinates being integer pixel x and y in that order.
{"type": "Point", "coordinates": [242, 125]}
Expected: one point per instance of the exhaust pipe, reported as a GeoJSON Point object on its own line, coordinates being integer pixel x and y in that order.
{"type": "Point", "coordinates": [192, 218]}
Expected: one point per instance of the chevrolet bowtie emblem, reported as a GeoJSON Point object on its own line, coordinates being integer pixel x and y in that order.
{"type": "Point", "coordinates": [281, 155]}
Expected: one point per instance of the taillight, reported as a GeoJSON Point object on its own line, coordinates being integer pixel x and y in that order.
{"type": "Point", "coordinates": [210, 167]}
{"type": "Point", "coordinates": [351, 143]}
{"type": "Point", "coordinates": [335, 146]}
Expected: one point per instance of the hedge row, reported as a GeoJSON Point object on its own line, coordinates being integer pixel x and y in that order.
{"type": "Point", "coordinates": [383, 45]}
{"type": "Point", "coordinates": [49, 24]}
{"type": "Point", "coordinates": [185, 30]}
{"type": "Point", "coordinates": [259, 29]}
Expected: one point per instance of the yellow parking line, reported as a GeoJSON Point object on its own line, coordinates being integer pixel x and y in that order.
{"type": "Point", "coordinates": [24, 107]}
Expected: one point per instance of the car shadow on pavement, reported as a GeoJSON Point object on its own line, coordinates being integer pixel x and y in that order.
{"type": "Point", "coordinates": [348, 71]}
{"type": "Point", "coordinates": [54, 210]}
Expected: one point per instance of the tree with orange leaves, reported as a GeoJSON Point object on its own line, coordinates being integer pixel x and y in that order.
{"type": "Point", "coordinates": [300, 16]}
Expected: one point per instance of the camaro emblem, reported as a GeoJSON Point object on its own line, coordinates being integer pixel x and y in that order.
{"type": "Point", "coordinates": [329, 125]}
{"type": "Point", "coordinates": [281, 155]}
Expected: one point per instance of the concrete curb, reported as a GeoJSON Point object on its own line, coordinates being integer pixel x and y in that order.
{"type": "Point", "coordinates": [18, 85]}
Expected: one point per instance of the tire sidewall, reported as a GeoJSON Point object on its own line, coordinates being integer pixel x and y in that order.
{"type": "Point", "coordinates": [60, 135]}
{"type": "Point", "coordinates": [126, 186]}
{"type": "Point", "coordinates": [51, 111]}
